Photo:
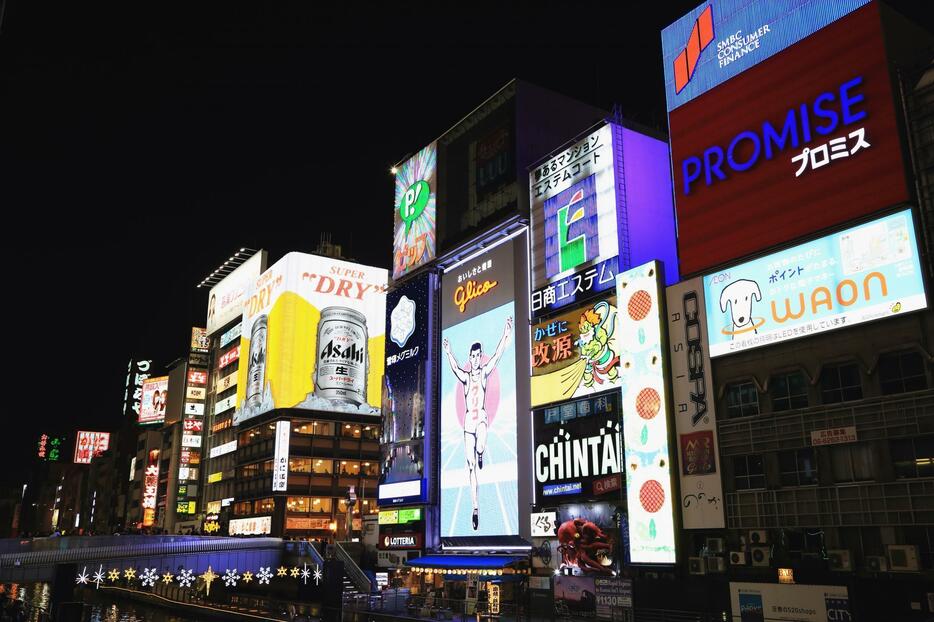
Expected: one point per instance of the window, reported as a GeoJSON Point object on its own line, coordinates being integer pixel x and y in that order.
{"type": "Point", "coordinates": [319, 428]}
{"type": "Point", "coordinates": [352, 430]}
{"type": "Point", "coordinates": [265, 505]}
{"type": "Point", "coordinates": [798, 467]}
{"type": "Point", "coordinates": [851, 463]}
{"type": "Point", "coordinates": [840, 383]}
{"type": "Point", "coordinates": [256, 469]}
{"type": "Point", "coordinates": [300, 465]}
{"type": "Point", "coordinates": [322, 467]}
{"type": "Point", "coordinates": [342, 506]}
{"type": "Point", "coordinates": [789, 391]}
{"type": "Point", "coordinates": [742, 399]}
{"type": "Point", "coordinates": [371, 432]}
{"type": "Point", "coordinates": [321, 506]}
{"type": "Point", "coordinates": [900, 372]}
{"type": "Point", "coordinates": [298, 504]}
{"type": "Point", "coordinates": [242, 508]}
{"type": "Point", "coordinates": [913, 457]}
{"type": "Point", "coordinates": [748, 472]}
{"type": "Point", "coordinates": [369, 469]}
{"type": "Point", "coordinates": [257, 434]}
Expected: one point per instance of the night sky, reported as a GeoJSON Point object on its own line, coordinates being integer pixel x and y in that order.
{"type": "Point", "coordinates": [142, 145]}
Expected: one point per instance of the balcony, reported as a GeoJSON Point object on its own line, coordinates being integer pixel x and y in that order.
{"type": "Point", "coordinates": [904, 502]}
{"type": "Point", "coordinates": [874, 418]}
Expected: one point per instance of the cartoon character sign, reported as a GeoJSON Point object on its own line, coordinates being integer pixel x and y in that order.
{"type": "Point", "coordinates": [587, 538]}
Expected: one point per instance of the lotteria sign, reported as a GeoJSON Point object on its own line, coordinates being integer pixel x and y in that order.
{"type": "Point", "coordinates": [721, 39]}
{"type": "Point", "coordinates": [785, 149]}
{"type": "Point", "coordinates": [863, 273]}
{"type": "Point", "coordinates": [401, 541]}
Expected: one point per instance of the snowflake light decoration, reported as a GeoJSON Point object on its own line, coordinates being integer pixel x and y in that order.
{"type": "Point", "coordinates": [186, 578]}
{"type": "Point", "coordinates": [82, 578]}
{"type": "Point", "coordinates": [231, 577]}
{"type": "Point", "coordinates": [148, 577]}
{"type": "Point", "coordinates": [264, 575]}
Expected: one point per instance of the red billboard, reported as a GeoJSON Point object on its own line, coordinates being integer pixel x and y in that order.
{"type": "Point", "coordinates": [90, 444]}
{"type": "Point", "coordinates": [800, 142]}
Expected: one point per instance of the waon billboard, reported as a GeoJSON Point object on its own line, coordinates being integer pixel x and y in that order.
{"type": "Point", "coordinates": [802, 141]}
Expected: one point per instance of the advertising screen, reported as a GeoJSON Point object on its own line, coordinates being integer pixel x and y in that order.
{"type": "Point", "coordinates": [863, 273]}
{"type": "Point", "coordinates": [479, 468]}
{"type": "Point", "coordinates": [575, 353]}
{"type": "Point", "coordinates": [784, 151]}
{"type": "Point", "coordinates": [578, 448]}
{"type": "Point", "coordinates": [720, 39]}
{"type": "Point", "coordinates": [313, 338]}
{"type": "Point", "coordinates": [758, 602]}
{"type": "Point", "coordinates": [414, 212]}
{"type": "Point", "coordinates": [90, 444]}
{"type": "Point", "coordinates": [225, 300]}
{"type": "Point", "coordinates": [200, 342]}
{"type": "Point", "coordinates": [154, 399]}
{"type": "Point", "coordinates": [588, 538]}
{"type": "Point", "coordinates": [645, 416]}
{"type": "Point", "coordinates": [407, 390]}
{"type": "Point", "coordinates": [694, 410]}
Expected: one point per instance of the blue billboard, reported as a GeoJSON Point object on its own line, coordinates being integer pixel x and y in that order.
{"type": "Point", "coordinates": [863, 273]}
{"type": "Point", "coordinates": [723, 38]}
{"type": "Point", "coordinates": [406, 454]}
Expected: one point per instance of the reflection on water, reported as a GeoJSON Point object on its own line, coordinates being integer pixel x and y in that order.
{"type": "Point", "coordinates": [34, 600]}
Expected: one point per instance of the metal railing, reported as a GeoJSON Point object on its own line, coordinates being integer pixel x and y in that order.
{"type": "Point", "coordinates": [874, 418]}
{"type": "Point", "coordinates": [904, 502]}
{"type": "Point", "coordinates": [352, 570]}
{"type": "Point", "coordinates": [303, 548]}
{"type": "Point", "coordinates": [418, 606]}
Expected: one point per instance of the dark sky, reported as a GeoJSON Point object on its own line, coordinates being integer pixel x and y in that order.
{"type": "Point", "coordinates": [142, 145]}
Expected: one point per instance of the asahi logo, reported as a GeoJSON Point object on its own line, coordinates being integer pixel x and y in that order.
{"type": "Point", "coordinates": [566, 458]}
{"type": "Point", "coordinates": [335, 351]}
{"type": "Point", "coordinates": [692, 335]}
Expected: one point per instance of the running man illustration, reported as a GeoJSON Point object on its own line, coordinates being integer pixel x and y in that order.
{"type": "Point", "coordinates": [475, 417]}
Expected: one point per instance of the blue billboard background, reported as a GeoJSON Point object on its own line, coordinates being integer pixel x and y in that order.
{"type": "Point", "coordinates": [863, 273]}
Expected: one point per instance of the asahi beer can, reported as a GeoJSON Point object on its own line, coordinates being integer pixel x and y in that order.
{"type": "Point", "coordinates": [256, 372]}
{"type": "Point", "coordinates": [342, 361]}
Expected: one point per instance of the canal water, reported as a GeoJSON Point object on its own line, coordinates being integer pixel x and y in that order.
{"type": "Point", "coordinates": [35, 598]}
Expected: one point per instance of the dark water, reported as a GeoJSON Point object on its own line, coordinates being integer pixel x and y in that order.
{"type": "Point", "coordinates": [98, 607]}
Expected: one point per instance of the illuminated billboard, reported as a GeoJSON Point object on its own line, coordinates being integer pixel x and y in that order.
{"type": "Point", "coordinates": [645, 416]}
{"type": "Point", "coordinates": [225, 301]}
{"type": "Point", "coordinates": [601, 204]}
{"type": "Point", "coordinates": [860, 274]}
{"type": "Point", "coordinates": [693, 398]}
{"type": "Point", "coordinates": [407, 392]}
{"type": "Point", "coordinates": [723, 38]}
{"type": "Point", "coordinates": [200, 342]}
{"type": "Point", "coordinates": [588, 537]}
{"type": "Point", "coordinates": [784, 150]}
{"type": "Point", "coordinates": [414, 211]}
{"type": "Point", "coordinates": [90, 444]}
{"type": "Point", "coordinates": [575, 353]}
{"type": "Point", "coordinates": [155, 397]}
{"type": "Point", "coordinates": [150, 488]}
{"type": "Point", "coordinates": [280, 463]}
{"type": "Point", "coordinates": [137, 372]}
{"type": "Point", "coordinates": [578, 449]}
{"type": "Point", "coordinates": [801, 603]}
{"type": "Point", "coordinates": [313, 337]}
{"type": "Point", "coordinates": [479, 468]}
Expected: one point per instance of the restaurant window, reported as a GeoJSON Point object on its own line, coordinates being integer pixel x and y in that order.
{"type": "Point", "coordinates": [249, 470]}
{"type": "Point", "coordinates": [748, 472]}
{"type": "Point", "coordinates": [851, 463]}
{"type": "Point", "coordinates": [300, 465]}
{"type": "Point", "coordinates": [342, 506]}
{"type": "Point", "coordinates": [322, 466]}
{"type": "Point", "coordinates": [321, 505]}
{"type": "Point", "coordinates": [242, 508]}
{"type": "Point", "coordinates": [742, 399]}
{"type": "Point", "coordinates": [348, 467]}
{"type": "Point", "coordinates": [798, 467]}
{"type": "Point", "coordinates": [298, 504]}
{"type": "Point", "coordinates": [900, 372]}
{"type": "Point", "coordinates": [913, 457]}
{"type": "Point", "coordinates": [840, 383]}
{"type": "Point", "coordinates": [319, 428]}
{"type": "Point", "coordinates": [370, 469]}
{"type": "Point", "coordinates": [352, 430]}
{"type": "Point", "coordinates": [265, 505]}
{"type": "Point", "coordinates": [371, 432]}
{"type": "Point", "coordinates": [789, 391]}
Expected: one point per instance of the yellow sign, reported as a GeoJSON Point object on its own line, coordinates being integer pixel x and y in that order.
{"type": "Point", "coordinates": [215, 477]}
{"type": "Point", "coordinates": [471, 291]}
{"type": "Point", "coordinates": [389, 517]}
{"type": "Point", "coordinates": [494, 598]}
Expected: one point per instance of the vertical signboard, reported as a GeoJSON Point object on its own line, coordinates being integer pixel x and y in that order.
{"type": "Point", "coordinates": [479, 468]}
{"type": "Point", "coordinates": [645, 416]}
{"type": "Point", "coordinates": [137, 372]}
{"type": "Point", "coordinates": [280, 465]}
{"type": "Point", "coordinates": [225, 301]}
{"type": "Point", "coordinates": [407, 393]}
{"type": "Point", "coordinates": [150, 488]}
{"type": "Point", "coordinates": [200, 342]}
{"type": "Point", "coordinates": [415, 209]}
{"type": "Point", "coordinates": [694, 410]}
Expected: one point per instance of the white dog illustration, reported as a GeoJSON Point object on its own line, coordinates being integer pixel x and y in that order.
{"type": "Point", "coordinates": [739, 295]}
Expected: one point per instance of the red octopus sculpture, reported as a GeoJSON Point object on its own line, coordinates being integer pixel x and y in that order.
{"type": "Point", "coordinates": [579, 542]}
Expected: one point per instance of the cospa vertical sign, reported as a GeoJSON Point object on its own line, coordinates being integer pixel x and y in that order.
{"type": "Point", "coordinates": [692, 391]}
{"type": "Point", "coordinates": [784, 150]}
{"type": "Point", "coordinates": [415, 211]}
{"type": "Point", "coordinates": [280, 465]}
{"type": "Point", "coordinates": [645, 416]}
{"type": "Point", "coordinates": [225, 301]}
{"type": "Point", "coordinates": [407, 392]}
{"type": "Point", "coordinates": [478, 396]}
{"type": "Point", "coordinates": [720, 39]}
{"type": "Point", "coordinates": [862, 273]}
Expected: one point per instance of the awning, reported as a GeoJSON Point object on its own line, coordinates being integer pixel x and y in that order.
{"type": "Point", "coordinates": [482, 563]}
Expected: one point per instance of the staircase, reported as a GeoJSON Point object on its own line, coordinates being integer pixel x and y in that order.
{"type": "Point", "coordinates": [355, 580]}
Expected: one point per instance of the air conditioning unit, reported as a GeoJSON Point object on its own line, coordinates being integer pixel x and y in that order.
{"type": "Point", "coordinates": [758, 536]}
{"type": "Point", "coordinates": [903, 558]}
{"type": "Point", "coordinates": [696, 565]}
{"type": "Point", "coordinates": [876, 563]}
{"type": "Point", "coordinates": [839, 560]}
{"type": "Point", "coordinates": [760, 555]}
{"type": "Point", "coordinates": [714, 546]}
{"type": "Point", "coordinates": [738, 558]}
{"type": "Point", "coordinates": [716, 564]}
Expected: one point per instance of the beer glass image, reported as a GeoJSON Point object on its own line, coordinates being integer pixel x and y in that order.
{"type": "Point", "coordinates": [256, 372]}
{"type": "Point", "coordinates": [342, 360]}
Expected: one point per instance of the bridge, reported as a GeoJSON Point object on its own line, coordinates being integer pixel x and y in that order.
{"type": "Point", "coordinates": [37, 559]}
